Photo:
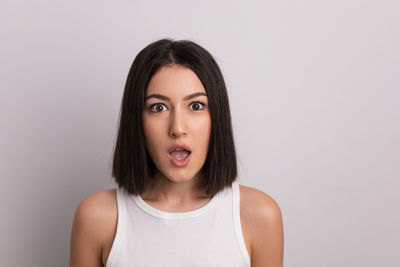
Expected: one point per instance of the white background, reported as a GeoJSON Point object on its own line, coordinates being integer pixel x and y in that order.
{"type": "Point", "coordinates": [314, 92]}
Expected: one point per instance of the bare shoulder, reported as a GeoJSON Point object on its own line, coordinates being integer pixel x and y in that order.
{"type": "Point", "coordinates": [259, 204]}
{"type": "Point", "coordinates": [98, 203]}
{"type": "Point", "coordinates": [93, 228]}
{"type": "Point", "coordinates": [262, 226]}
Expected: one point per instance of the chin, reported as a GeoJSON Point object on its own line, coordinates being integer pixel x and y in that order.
{"type": "Point", "coordinates": [177, 174]}
{"type": "Point", "coordinates": [180, 175]}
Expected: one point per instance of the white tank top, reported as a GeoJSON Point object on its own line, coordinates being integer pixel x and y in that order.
{"type": "Point", "coordinates": [210, 236]}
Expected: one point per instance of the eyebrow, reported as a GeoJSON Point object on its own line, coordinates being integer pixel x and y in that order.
{"type": "Point", "coordinates": [167, 99]}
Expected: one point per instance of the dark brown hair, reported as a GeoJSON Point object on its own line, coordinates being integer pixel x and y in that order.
{"type": "Point", "coordinates": [132, 164]}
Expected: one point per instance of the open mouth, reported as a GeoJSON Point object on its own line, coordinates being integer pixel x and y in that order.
{"type": "Point", "coordinates": [180, 154]}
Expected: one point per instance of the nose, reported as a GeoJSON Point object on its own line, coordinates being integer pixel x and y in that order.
{"type": "Point", "coordinates": [178, 125]}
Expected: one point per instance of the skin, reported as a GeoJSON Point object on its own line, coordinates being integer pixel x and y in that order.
{"type": "Point", "coordinates": [176, 120]}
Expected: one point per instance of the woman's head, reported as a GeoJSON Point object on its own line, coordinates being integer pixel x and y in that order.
{"type": "Point", "coordinates": [157, 113]}
{"type": "Point", "coordinates": [176, 114]}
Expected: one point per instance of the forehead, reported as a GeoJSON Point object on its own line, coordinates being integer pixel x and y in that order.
{"type": "Point", "coordinates": [174, 80]}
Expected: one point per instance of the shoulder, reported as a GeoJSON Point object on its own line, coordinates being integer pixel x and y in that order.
{"type": "Point", "coordinates": [262, 223]}
{"type": "Point", "coordinates": [259, 205]}
{"type": "Point", "coordinates": [97, 208]}
{"type": "Point", "coordinates": [103, 199]}
{"type": "Point", "coordinates": [93, 226]}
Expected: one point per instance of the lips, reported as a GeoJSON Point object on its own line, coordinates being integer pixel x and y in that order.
{"type": "Point", "coordinates": [179, 154]}
{"type": "Point", "coordinates": [179, 147]}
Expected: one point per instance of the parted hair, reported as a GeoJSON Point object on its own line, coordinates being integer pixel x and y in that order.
{"type": "Point", "coordinates": [132, 166]}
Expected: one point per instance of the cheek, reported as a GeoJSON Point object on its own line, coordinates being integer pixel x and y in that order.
{"type": "Point", "coordinates": [202, 128]}
{"type": "Point", "coordinates": [153, 133]}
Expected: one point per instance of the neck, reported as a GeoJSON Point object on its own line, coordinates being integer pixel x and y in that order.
{"type": "Point", "coordinates": [172, 193]}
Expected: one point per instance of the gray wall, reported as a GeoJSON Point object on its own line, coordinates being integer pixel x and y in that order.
{"type": "Point", "coordinates": [314, 91]}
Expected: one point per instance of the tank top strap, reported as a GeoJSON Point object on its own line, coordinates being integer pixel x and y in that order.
{"type": "Point", "coordinates": [121, 221]}
{"type": "Point", "coordinates": [236, 221]}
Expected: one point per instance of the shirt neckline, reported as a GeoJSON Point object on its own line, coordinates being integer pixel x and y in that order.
{"type": "Point", "coordinates": [174, 215]}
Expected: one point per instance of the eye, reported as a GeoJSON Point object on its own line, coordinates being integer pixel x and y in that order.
{"type": "Point", "coordinates": [197, 105]}
{"type": "Point", "coordinates": [157, 108]}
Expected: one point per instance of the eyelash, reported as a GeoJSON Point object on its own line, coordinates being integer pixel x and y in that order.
{"type": "Point", "coordinates": [196, 102]}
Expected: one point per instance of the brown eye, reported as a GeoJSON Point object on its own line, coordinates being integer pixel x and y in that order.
{"type": "Point", "coordinates": [197, 106]}
{"type": "Point", "coordinates": [157, 108]}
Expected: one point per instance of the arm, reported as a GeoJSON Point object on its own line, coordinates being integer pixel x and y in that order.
{"type": "Point", "coordinates": [85, 249]}
{"type": "Point", "coordinates": [267, 232]}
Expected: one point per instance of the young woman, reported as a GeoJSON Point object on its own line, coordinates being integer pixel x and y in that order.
{"type": "Point", "coordinates": [178, 201]}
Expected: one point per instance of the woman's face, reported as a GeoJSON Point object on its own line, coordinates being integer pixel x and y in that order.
{"type": "Point", "coordinates": [176, 112]}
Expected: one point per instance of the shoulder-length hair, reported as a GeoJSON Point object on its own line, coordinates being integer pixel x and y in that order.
{"type": "Point", "coordinates": [132, 164]}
